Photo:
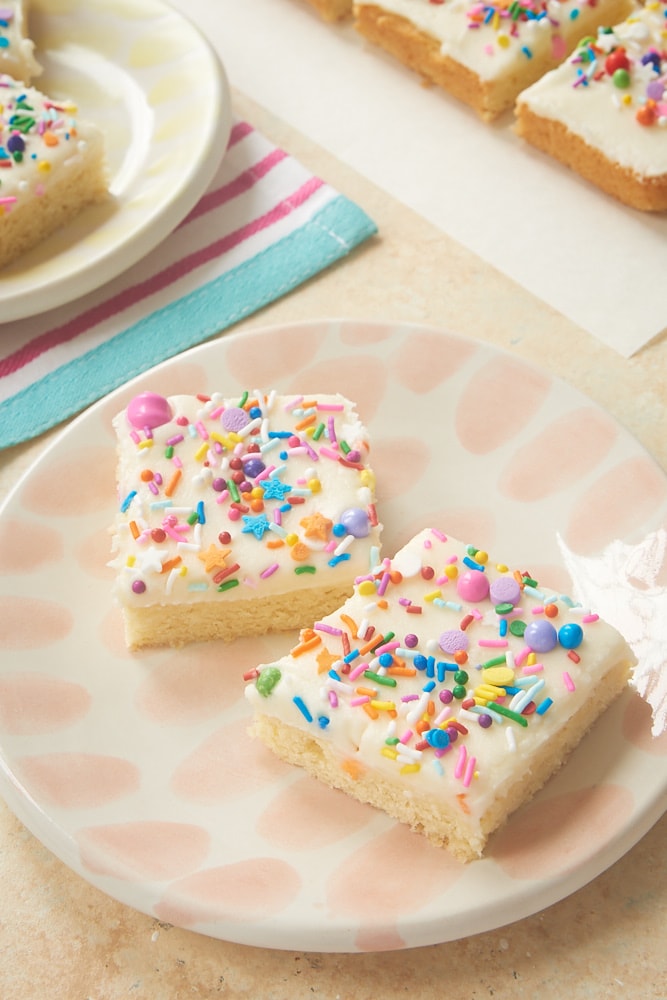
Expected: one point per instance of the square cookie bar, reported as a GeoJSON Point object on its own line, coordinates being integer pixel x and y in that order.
{"type": "Point", "coordinates": [603, 112]}
{"type": "Point", "coordinates": [445, 691]}
{"type": "Point", "coordinates": [484, 54]}
{"type": "Point", "coordinates": [52, 165]}
{"type": "Point", "coordinates": [17, 50]}
{"type": "Point", "coordinates": [239, 516]}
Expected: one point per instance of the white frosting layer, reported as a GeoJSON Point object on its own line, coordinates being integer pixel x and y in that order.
{"type": "Point", "coordinates": [584, 97]}
{"type": "Point", "coordinates": [496, 39]}
{"type": "Point", "coordinates": [188, 532]}
{"type": "Point", "coordinates": [39, 140]}
{"type": "Point", "coordinates": [425, 622]}
{"type": "Point", "coordinates": [16, 49]}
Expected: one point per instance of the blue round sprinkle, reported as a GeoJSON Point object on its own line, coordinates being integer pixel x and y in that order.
{"type": "Point", "coordinates": [571, 635]}
{"type": "Point", "coordinates": [437, 738]}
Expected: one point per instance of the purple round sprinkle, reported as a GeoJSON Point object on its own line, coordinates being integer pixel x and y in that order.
{"type": "Point", "coordinates": [253, 467]}
{"type": "Point", "coordinates": [410, 640]}
{"type": "Point", "coordinates": [541, 636]}
{"type": "Point", "coordinates": [356, 522]}
{"type": "Point", "coordinates": [446, 696]}
{"type": "Point", "coordinates": [453, 641]}
{"type": "Point", "coordinates": [485, 720]}
{"type": "Point", "coordinates": [505, 590]}
{"type": "Point", "coordinates": [138, 586]}
{"type": "Point", "coordinates": [219, 485]}
{"type": "Point", "coordinates": [654, 90]}
{"type": "Point", "coordinates": [234, 418]}
{"type": "Point", "coordinates": [15, 143]}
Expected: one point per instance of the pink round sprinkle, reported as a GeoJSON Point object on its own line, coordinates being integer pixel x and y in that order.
{"type": "Point", "coordinates": [473, 585]}
{"type": "Point", "coordinates": [149, 410]}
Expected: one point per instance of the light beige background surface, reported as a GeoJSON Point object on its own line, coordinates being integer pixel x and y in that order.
{"type": "Point", "coordinates": [62, 939]}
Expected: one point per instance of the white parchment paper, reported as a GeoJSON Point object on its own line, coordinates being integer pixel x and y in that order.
{"type": "Point", "coordinates": [594, 260]}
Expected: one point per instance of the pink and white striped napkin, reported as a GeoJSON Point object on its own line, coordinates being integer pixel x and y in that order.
{"type": "Point", "coordinates": [265, 225]}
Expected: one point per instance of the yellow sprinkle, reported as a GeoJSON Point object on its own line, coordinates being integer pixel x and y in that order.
{"type": "Point", "coordinates": [502, 568]}
{"type": "Point", "coordinates": [531, 660]}
{"type": "Point", "coordinates": [498, 676]}
{"type": "Point", "coordinates": [482, 557]}
{"type": "Point", "coordinates": [389, 752]}
{"type": "Point", "coordinates": [291, 539]}
{"type": "Point", "coordinates": [489, 692]}
{"type": "Point", "coordinates": [367, 478]}
{"type": "Point", "coordinates": [627, 99]}
{"type": "Point", "coordinates": [314, 485]}
{"type": "Point", "coordinates": [383, 706]}
{"type": "Point", "coordinates": [410, 768]}
{"type": "Point", "coordinates": [44, 166]}
{"type": "Point", "coordinates": [432, 596]}
{"type": "Point", "coordinates": [451, 571]}
{"type": "Point", "coordinates": [503, 41]}
{"type": "Point", "coordinates": [146, 443]}
{"type": "Point", "coordinates": [130, 561]}
{"type": "Point", "coordinates": [218, 438]}
{"type": "Point", "coordinates": [366, 587]}
{"type": "Point", "coordinates": [201, 452]}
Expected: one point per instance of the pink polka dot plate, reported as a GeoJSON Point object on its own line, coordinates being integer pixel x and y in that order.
{"type": "Point", "coordinates": [136, 769]}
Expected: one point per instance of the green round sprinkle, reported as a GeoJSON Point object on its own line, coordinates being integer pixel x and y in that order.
{"type": "Point", "coordinates": [517, 628]}
{"type": "Point", "coordinates": [459, 691]}
{"type": "Point", "coordinates": [621, 78]}
{"type": "Point", "coordinates": [267, 680]}
{"type": "Point", "coordinates": [461, 677]}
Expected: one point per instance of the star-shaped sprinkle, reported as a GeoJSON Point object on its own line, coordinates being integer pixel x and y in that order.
{"type": "Point", "coordinates": [317, 526]}
{"type": "Point", "coordinates": [214, 558]}
{"type": "Point", "coordinates": [255, 525]}
{"type": "Point", "coordinates": [274, 489]}
{"type": "Point", "coordinates": [151, 559]}
{"type": "Point", "coordinates": [325, 661]}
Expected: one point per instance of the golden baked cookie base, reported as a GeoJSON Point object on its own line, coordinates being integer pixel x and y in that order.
{"type": "Point", "coordinates": [179, 624]}
{"type": "Point", "coordinates": [421, 53]}
{"type": "Point", "coordinates": [649, 194]}
{"type": "Point", "coordinates": [332, 10]}
{"type": "Point", "coordinates": [444, 823]}
{"type": "Point", "coordinates": [78, 185]}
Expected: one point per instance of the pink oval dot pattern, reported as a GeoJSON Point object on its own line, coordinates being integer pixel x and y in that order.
{"type": "Point", "coordinates": [147, 850]}
{"type": "Point", "coordinates": [79, 780]}
{"type": "Point", "coordinates": [242, 891]}
{"type": "Point", "coordinates": [32, 622]}
{"type": "Point", "coordinates": [140, 769]}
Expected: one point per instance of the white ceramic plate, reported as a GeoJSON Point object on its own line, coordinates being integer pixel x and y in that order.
{"type": "Point", "coordinates": [146, 76]}
{"type": "Point", "coordinates": [136, 770]}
